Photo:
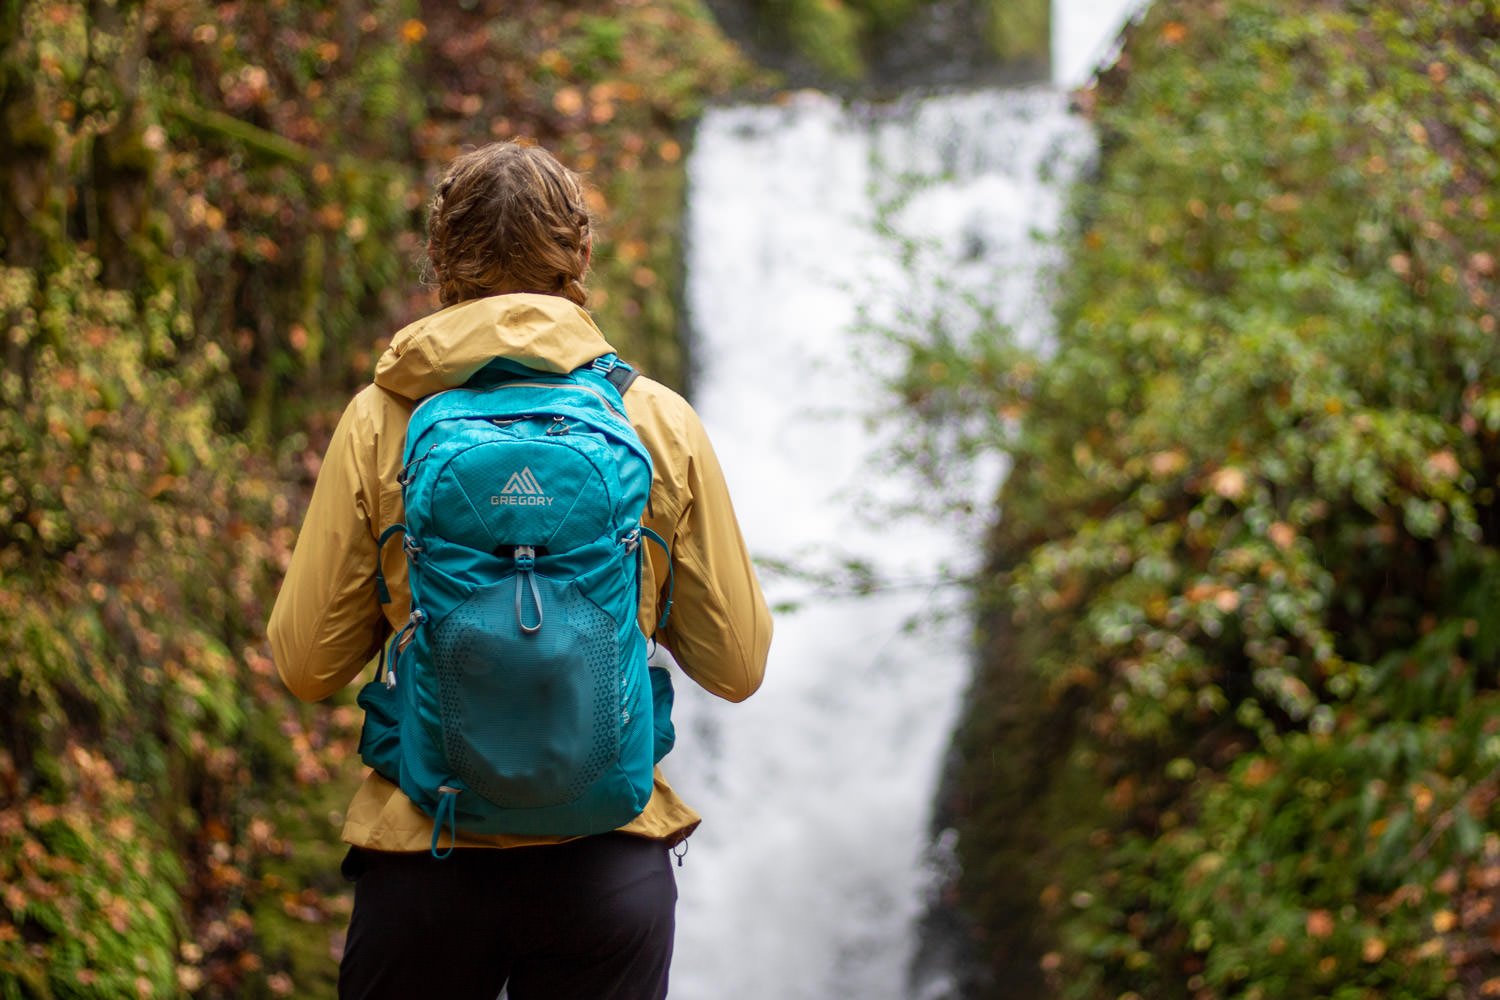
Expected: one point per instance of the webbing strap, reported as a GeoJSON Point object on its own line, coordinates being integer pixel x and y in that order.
{"type": "Point", "coordinates": [671, 576]}
{"type": "Point", "coordinates": [445, 815]}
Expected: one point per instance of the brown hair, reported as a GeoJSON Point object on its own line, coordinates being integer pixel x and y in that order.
{"type": "Point", "coordinates": [508, 217]}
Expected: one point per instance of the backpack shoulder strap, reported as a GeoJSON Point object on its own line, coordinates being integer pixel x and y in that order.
{"type": "Point", "coordinates": [622, 377]}
{"type": "Point", "coordinates": [614, 371]}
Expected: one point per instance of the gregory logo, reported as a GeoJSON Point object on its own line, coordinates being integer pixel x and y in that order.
{"type": "Point", "coordinates": [521, 490]}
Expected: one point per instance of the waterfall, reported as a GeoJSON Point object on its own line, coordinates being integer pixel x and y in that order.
{"type": "Point", "coordinates": [1086, 34]}
{"type": "Point", "coordinates": [809, 222]}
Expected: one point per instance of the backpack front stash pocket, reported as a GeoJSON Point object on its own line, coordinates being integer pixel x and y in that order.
{"type": "Point", "coordinates": [530, 717]}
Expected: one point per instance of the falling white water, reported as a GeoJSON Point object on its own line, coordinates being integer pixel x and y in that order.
{"type": "Point", "coordinates": [809, 874]}
{"type": "Point", "coordinates": [1086, 35]}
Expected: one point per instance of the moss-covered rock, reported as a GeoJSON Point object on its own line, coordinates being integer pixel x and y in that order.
{"type": "Point", "coordinates": [875, 47]}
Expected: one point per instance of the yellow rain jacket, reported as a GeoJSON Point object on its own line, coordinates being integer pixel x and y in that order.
{"type": "Point", "coordinates": [327, 624]}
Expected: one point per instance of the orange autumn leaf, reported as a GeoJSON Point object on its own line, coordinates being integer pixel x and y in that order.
{"type": "Point", "coordinates": [568, 101]}
{"type": "Point", "coordinates": [1319, 924]}
{"type": "Point", "coordinates": [1228, 482]}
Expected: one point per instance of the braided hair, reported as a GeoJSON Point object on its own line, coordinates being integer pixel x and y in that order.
{"type": "Point", "coordinates": [507, 217]}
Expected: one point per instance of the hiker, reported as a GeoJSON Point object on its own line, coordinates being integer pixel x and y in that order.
{"type": "Point", "coordinates": [465, 914]}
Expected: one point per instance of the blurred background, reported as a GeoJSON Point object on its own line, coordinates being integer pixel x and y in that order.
{"type": "Point", "coordinates": [1108, 391]}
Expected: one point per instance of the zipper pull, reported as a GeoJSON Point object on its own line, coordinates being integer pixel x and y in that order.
{"type": "Point", "coordinates": [526, 573]}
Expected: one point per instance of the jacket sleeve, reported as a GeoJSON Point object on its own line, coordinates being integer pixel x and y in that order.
{"type": "Point", "coordinates": [327, 623]}
{"type": "Point", "coordinates": [719, 630]}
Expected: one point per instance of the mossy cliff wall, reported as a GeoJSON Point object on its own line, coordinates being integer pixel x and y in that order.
{"type": "Point", "coordinates": [210, 220]}
{"type": "Point", "coordinates": [1236, 732]}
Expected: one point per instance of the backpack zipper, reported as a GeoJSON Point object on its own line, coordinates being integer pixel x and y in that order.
{"type": "Point", "coordinates": [522, 385]}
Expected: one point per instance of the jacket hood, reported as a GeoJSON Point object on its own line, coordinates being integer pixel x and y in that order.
{"type": "Point", "coordinates": [442, 351]}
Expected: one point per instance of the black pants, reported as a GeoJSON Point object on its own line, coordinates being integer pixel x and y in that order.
{"type": "Point", "coordinates": [587, 920]}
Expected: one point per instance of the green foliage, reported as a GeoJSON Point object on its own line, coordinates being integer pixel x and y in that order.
{"type": "Point", "coordinates": [1323, 865]}
{"type": "Point", "coordinates": [97, 904]}
{"type": "Point", "coordinates": [115, 670]}
{"type": "Point", "coordinates": [289, 184]}
{"type": "Point", "coordinates": [1019, 30]}
{"type": "Point", "coordinates": [828, 31]}
{"type": "Point", "coordinates": [847, 40]}
{"type": "Point", "coordinates": [1249, 543]}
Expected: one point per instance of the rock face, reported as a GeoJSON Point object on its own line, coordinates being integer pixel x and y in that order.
{"type": "Point", "coordinates": [944, 43]}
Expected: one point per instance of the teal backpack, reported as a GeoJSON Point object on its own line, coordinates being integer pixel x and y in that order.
{"type": "Point", "coordinates": [517, 698]}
